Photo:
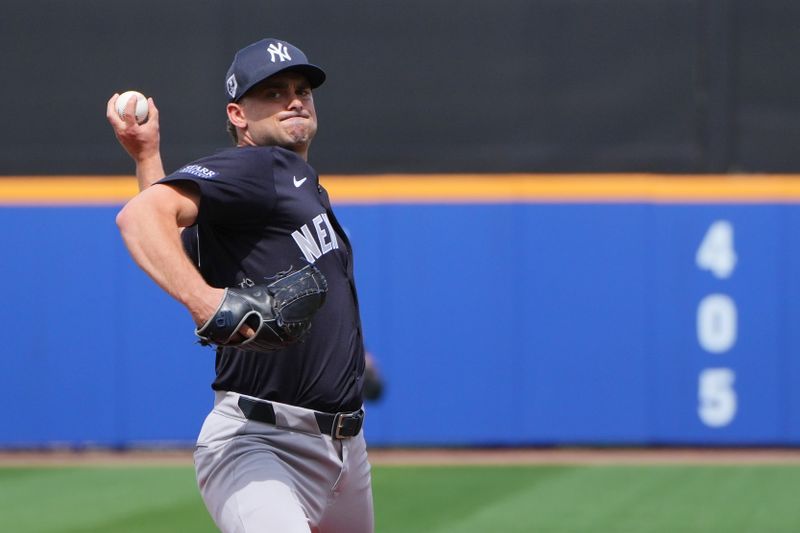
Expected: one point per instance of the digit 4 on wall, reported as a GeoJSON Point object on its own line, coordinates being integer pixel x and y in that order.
{"type": "Point", "coordinates": [716, 253]}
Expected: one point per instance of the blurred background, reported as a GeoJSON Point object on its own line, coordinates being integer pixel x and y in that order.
{"type": "Point", "coordinates": [659, 308]}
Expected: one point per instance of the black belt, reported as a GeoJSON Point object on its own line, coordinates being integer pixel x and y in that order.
{"type": "Point", "coordinates": [338, 426]}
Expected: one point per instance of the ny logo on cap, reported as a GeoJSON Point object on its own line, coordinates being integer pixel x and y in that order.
{"type": "Point", "coordinates": [232, 85]}
{"type": "Point", "coordinates": [279, 50]}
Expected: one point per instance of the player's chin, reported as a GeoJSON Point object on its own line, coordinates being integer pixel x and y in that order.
{"type": "Point", "coordinates": [299, 136]}
{"type": "Point", "coordinates": [295, 145]}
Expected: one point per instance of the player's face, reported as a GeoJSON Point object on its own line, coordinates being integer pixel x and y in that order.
{"type": "Point", "coordinates": [279, 111]}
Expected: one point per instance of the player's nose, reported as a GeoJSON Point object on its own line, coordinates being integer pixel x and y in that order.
{"type": "Point", "coordinates": [295, 104]}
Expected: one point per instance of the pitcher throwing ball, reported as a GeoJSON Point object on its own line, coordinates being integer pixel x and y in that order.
{"type": "Point", "coordinates": [270, 285]}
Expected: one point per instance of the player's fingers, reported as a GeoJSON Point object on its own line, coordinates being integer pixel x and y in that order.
{"type": "Point", "coordinates": [129, 114]}
{"type": "Point", "coordinates": [111, 109]}
{"type": "Point", "coordinates": [152, 110]}
{"type": "Point", "coordinates": [246, 331]}
{"type": "Point", "coordinates": [242, 334]}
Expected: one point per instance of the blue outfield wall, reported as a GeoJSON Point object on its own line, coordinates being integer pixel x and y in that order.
{"type": "Point", "coordinates": [505, 324]}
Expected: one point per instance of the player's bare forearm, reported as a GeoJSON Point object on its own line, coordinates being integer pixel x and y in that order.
{"type": "Point", "coordinates": [148, 226]}
{"type": "Point", "coordinates": [149, 170]}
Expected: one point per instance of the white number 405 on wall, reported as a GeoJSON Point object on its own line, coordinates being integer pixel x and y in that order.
{"type": "Point", "coordinates": [717, 326]}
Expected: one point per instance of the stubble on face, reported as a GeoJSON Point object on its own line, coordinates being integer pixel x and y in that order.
{"type": "Point", "coordinates": [298, 130]}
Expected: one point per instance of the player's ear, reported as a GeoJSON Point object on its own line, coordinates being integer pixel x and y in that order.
{"type": "Point", "coordinates": [236, 115]}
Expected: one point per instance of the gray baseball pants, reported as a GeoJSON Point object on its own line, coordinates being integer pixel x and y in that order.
{"type": "Point", "coordinates": [286, 477]}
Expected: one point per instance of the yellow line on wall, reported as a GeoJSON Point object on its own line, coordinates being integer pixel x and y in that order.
{"type": "Point", "coordinates": [453, 188]}
{"type": "Point", "coordinates": [550, 188]}
{"type": "Point", "coordinates": [66, 190]}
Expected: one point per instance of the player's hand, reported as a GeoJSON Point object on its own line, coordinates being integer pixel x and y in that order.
{"type": "Point", "coordinates": [206, 305]}
{"type": "Point", "coordinates": [141, 141]}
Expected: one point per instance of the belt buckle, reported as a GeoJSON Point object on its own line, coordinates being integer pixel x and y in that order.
{"type": "Point", "coordinates": [340, 423]}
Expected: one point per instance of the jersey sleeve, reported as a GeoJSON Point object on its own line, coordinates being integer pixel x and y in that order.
{"type": "Point", "coordinates": [237, 186]}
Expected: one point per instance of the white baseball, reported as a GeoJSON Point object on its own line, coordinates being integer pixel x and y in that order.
{"type": "Point", "coordinates": [141, 105]}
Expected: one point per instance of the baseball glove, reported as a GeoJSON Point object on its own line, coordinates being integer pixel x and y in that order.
{"type": "Point", "coordinates": [280, 313]}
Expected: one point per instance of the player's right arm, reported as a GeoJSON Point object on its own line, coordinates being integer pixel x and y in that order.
{"type": "Point", "coordinates": [148, 225]}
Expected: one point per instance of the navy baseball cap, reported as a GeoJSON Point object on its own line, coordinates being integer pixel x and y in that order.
{"type": "Point", "coordinates": [263, 59]}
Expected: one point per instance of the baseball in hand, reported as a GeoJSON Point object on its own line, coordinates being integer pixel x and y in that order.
{"type": "Point", "coordinates": [141, 105]}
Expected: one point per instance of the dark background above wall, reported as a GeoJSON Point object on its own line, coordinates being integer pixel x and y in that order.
{"type": "Point", "coordinates": [421, 86]}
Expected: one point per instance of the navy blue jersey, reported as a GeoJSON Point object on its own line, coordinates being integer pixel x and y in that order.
{"type": "Point", "coordinates": [262, 212]}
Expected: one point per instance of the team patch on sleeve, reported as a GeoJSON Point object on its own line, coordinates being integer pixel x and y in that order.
{"type": "Point", "coordinates": [199, 171]}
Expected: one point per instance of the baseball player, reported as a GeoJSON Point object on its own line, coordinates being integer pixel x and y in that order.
{"type": "Point", "coordinates": [272, 287]}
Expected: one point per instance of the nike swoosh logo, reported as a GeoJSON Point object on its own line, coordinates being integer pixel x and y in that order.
{"type": "Point", "coordinates": [298, 182]}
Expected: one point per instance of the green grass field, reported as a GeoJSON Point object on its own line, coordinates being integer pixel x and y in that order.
{"type": "Point", "coordinates": [553, 499]}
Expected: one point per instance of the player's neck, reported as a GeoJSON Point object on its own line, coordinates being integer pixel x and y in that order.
{"type": "Point", "coordinates": [302, 151]}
